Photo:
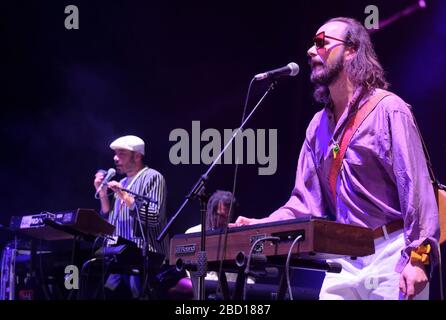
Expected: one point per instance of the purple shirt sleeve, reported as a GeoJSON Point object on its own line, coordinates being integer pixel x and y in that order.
{"type": "Point", "coordinates": [389, 149]}
{"type": "Point", "coordinates": [415, 191]}
{"type": "Point", "coordinates": [306, 197]}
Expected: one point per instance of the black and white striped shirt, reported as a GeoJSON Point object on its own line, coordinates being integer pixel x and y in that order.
{"type": "Point", "coordinates": [149, 183]}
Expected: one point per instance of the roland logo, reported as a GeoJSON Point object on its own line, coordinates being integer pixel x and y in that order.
{"type": "Point", "coordinates": [185, 249]}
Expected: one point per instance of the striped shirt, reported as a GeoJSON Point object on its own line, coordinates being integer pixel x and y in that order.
{"type": "Point", "coordinates": [152, 216]}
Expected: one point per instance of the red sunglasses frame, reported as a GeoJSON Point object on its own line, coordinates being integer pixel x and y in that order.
{"type": "Point", "coordinates": [319, 40]}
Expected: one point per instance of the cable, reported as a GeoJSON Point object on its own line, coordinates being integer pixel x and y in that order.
{"type": "Point", "coordinates": [84, 280]}
{"type": "Point", "coordinates": [225, 236]}
{"type": "Point", "coordinates": [141, 228]}
{"type": "Point", "coordinates": [234, 183]}
{"type": "Point", "coordinates": [97, 197]}
{"type": "Point", "coordinates": [248, 264]}
{"type": "Point", "coordinates": [440, 272]}
{"type": "Point", "coordinates": [104, 270]}
{"type": "Point", "coordinates": [287, 266]}
{"type": "Point", "coordinates": [247, 100]}
{"type": "Point", "coordinates": [144, 233]}
{"type": "Point", "coordinates": [440, 266]}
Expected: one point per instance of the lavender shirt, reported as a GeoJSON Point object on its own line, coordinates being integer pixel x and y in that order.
{"type": "Point", "coordinates": [384, 175]}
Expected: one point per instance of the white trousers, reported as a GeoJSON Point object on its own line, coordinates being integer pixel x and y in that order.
{"type": "Point", "coordinates": [372, 277]}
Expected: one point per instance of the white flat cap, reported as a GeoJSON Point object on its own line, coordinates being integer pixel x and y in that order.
{"type": "Point", "coordinates": [132, 143]}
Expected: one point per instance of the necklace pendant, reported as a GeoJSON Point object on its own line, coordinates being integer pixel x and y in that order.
{"type": "Point", "coordinates": [335, 150]}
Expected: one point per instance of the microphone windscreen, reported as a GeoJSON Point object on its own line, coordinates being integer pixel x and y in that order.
{"type": "Point", "coordinates": [111, 172]}
{"type": "Point", "coordinates": [294, 68]}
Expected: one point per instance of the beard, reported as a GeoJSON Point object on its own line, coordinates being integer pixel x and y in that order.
{"type": "Point", "coordinates": [119, 169]}
{"type": "Point", "coordinates": [325, 75]}
{"type": "Point", "coordinates": [322, 76]}
{"type": "Point", "coordinates": [127, 167]}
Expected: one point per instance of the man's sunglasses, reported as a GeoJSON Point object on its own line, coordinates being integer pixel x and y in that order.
{"type": "Point", "coordinates": [319, 40]}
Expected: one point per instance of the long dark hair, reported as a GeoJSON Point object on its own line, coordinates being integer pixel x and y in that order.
{"type": "Point", "coordinates": [226, 198]}
{"type": "Point", "coordinates": [364, 69]}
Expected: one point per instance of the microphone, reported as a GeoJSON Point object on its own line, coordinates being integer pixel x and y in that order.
{"type": "Point", "coordinates": [290, 70]}
{"type": "Point", "coordinates": [110, 174]}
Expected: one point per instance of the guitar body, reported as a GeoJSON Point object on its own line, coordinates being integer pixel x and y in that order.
{"type": "Point", "coordinates": [441, 200]}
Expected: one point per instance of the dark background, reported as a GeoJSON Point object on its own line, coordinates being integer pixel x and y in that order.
{"type": "Point", "coordinates": [148, 67]}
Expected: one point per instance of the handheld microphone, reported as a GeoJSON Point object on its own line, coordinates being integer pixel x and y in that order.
{"type": "Point", "coordinates": [290, 70]}
{"type": "Point", "coordinates": [110, 174]}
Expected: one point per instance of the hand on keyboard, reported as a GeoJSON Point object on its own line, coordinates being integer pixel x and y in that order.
{"type": "Point", "coordinates": [243, 221]}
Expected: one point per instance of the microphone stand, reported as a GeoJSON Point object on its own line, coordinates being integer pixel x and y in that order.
{"type": "Point", "coordinates": [202, 256]}
{"type": "Point", "coordinates": [139, 196]}
{"type": "Point", "coordinates": [197, 188]}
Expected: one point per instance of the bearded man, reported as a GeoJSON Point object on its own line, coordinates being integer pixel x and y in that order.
{"type": "Point", "coordinates": [373, 174]}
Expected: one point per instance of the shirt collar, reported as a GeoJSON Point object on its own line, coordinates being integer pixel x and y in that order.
{"type": "Point", "coordinates": [361, 94]}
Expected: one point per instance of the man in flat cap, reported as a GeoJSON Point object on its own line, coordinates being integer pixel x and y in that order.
{"type": "Point", "coordinates": [129, 215]}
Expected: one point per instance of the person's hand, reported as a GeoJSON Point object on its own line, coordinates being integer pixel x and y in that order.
{"type": "Point", "coordinates": [413, 279]}
{"type": "Point", "coordinates": [98, 178]}
{"type": "Point", "coordinates": [124, 196]}
{"type": "Point", "coordinates": [116, 187]}
{"type": "Point", "coordinates": [243, 221]}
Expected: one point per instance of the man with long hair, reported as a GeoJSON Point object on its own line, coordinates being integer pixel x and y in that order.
{"type": "Point", "coordinates": [220, 208]}
{"type": "Point", "coordinates": [382, 182]}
